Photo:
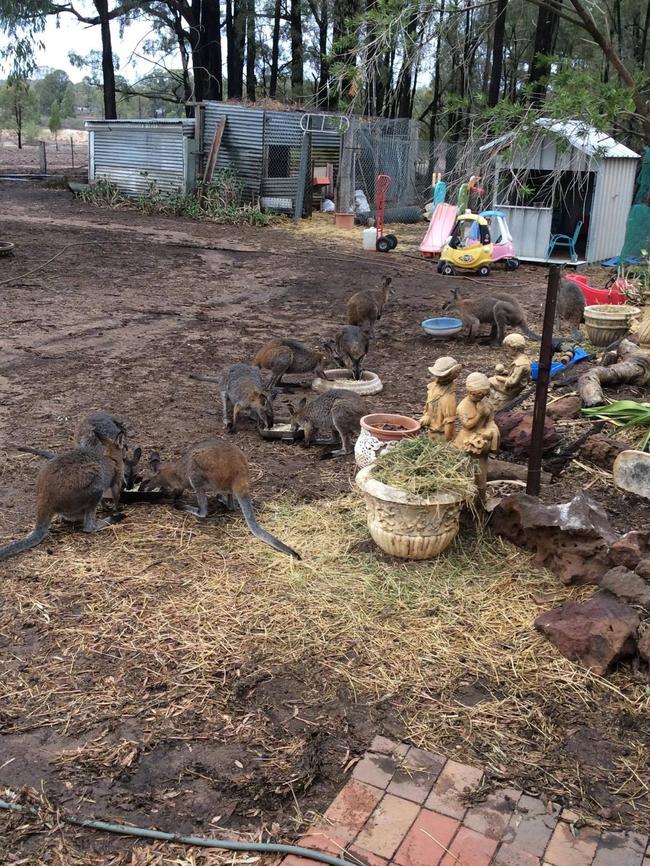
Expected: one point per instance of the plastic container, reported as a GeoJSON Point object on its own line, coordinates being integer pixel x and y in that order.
{"type": "Point", "coordinates": [614, 295]}
{"type": "Point", "coordinates": [370, 238]}
{"type": "Point", "coordinates": [442, 326]}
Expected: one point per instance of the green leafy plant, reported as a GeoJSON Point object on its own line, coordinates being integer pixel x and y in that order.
{"type": "Point", "coordinates": [625, 413]}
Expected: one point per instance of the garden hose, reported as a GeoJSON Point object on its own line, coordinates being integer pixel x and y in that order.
{"type": "Point", "coordinates": [227, 844]}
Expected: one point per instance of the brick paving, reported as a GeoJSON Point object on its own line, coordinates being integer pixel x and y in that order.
{"type": "Point", "coordinates": [407, 807]}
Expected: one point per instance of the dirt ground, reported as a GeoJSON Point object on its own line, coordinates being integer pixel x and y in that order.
{"type": "Point", "coordinates": [118, 321]}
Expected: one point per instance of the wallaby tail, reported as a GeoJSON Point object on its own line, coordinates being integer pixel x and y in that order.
{"type": "Point", "coordinates": [198, 377]}
{"type": "Point", "coordinates": [249, 516]}
{"type": "Point", "coordinates": [530, 334]}
{"type": "Point", "coordinates": [39, 452]}
{"type": "Point", "coordinates": [31, 540]}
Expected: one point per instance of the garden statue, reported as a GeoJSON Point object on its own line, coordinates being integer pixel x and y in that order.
{"type": "Point", "coordinates": [440, 409]}
{"type": "Point", "coordinates": [479, 434]}
{"type": "Point", "coordinates": [509, 381]}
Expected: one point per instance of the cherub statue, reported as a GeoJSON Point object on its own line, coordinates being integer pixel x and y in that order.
{"type": "Point", "coordinates": [479, 434]}
{"type": "Point", "coordinates": [509, 381]}
{"type": "Point", "coordinates": [440, 409]}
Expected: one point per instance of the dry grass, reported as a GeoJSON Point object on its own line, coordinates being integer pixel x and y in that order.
{"type": "Point", "coordinates": [162, 622]}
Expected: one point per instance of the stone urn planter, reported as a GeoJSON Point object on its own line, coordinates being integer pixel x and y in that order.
{"type": "Point", "coordinates": [369, 383]}
{"type": "Point", "coordinates": [606, 323]}
{"type": "Point", "coordinates": [379, 432]}
{"type": "Point", "coordinates": [407, 526]}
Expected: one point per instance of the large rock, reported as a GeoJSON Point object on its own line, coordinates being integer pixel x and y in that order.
{"type": "Point", "coordinates": [643, 568]}
{"type": "Point", "coordinates": [632, 472]}
{"type": "Point", "coordinates": [626, 585]}
{"type": "Point", "coordinates": [572, 539]}
{"type": "Point", "coordinates": [644, 648]}
{"type": "Point", "coordinates": [602, 450]}
{"type": "Point", "coordinates": [596, 633]}
{"type": "Point", "coordinates": [516, 429]}
{"type": "Point", "coordinates": [630, 549]}
{"type": "Point", "coordinates": [565, 407]}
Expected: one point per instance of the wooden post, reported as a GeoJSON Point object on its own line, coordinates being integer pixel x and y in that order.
{"type": "Point", "coordinates": [72, 150]}
{"type": "Point", "coordinates": [543, 376]}
{"type": "Point", "coordinates": [345, 180]}
{"type": "Point", "coordinates": [43, 156]}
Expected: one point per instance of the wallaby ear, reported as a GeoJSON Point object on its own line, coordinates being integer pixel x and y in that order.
{"type": "Point", "coordinates": [292, 409]}
{"type": "Point", "coordinates": [154, 461]}
{"type": "Point", "coordinates": [302, 403]}
{"type": "Point", "coordinates": [137, 454]}
{"type": "Point", "coordinates": [388, 281]}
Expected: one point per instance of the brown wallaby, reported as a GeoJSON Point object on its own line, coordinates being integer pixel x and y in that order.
{"type": "Point", "coordinates": [571, 306]}
{"type": "Point", "coordinates": [242, 390]}
{"type": "Point", "coordinates": [91, 431]}
{"type": "Point", "coordinates": [212, 466]}
{"type": "Point", "coordinates": [498, 310]}
{"type": "Point", "coordinates": [349, 348]}
{"type": "Point", "coordinates": [286, 355]}
{"type": "Point", "coordinates": [335, 411]}
{"type": "Point", "coordinates": [365, 307]}
{"type": "Point", "coordinates": [71, 484]}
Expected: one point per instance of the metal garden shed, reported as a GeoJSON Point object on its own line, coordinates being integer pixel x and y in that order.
{"type": "Point", "coordinates": [134, 154]}
{"type": "Point", "coordinates": [572, 174]}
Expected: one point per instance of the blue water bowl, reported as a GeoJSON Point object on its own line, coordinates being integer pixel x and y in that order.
{"type": "Point", "coordinates": [443, 326]}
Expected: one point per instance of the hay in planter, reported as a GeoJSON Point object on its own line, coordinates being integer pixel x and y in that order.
{"type": "Point", "coordinates": [423, 467]}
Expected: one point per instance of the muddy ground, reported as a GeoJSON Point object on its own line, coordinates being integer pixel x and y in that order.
{"type": "Point", "coordinates": [117, 321]}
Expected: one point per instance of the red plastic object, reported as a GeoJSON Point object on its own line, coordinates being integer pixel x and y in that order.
{"type": "Point", "coordinates": [613, 295]}
{"type": "Point", "coordinates": [381, 188]}
{"type": "Point", "coordinates": [321, 180]}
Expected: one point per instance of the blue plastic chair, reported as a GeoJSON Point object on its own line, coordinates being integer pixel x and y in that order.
{"type": "Point", "coordinates": [565, 241]}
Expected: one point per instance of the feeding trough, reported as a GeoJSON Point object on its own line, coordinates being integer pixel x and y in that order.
{"type": "Point", "coordinates": [6, 248]}
{"type": "Point", "coordinates": [442, 326]}
{"type": "Point", "coordinates": [284, 433]}
{"type": "Point", "coordinates": [369, 383]}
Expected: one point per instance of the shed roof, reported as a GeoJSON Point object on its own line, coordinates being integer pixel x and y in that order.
{"type": "Point", "coordinates": [580, 135]}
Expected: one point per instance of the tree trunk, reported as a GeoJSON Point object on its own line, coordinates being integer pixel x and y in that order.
{"type": "Point", "coordinates": [297, 64]}
{"type": "Point", "coordinates": [644, 36]}
{"type": "Point", "coordinates": [497, 53]}
{"type": "Point", "coordinates": [19, 126]}
{"type": "Point", "coordinates": [250, 51]}
{"type": "Point", "coordinates": [548, 22]}
{"type": "Point", "coordinates": [403, 95]}
{"type": "Point", "coordinates": [275, 50]}
{"type": "Point", "coordinates": [108, 70]}
{"type": "Point", "coordinates": [211, 26]}
{"type": "Point", "coordinates": [235, 38]}
{"type": "Point", "coordinates": [323, 99]}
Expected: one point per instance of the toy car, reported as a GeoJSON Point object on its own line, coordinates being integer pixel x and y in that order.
{"type": "Point", "coordinates": [503, 246]}
{"type": "Point", "coordinates": [469, 248]}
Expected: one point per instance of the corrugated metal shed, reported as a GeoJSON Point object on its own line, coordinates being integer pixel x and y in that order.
{"type": "Point", "coordinates": [613, 169]}
{"type": "Point", "coordinates": [241, 145]}
{"type": "Point", "coordinates": [134, 154]}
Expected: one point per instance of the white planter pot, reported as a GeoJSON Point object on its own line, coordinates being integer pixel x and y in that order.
{"type": "Point", "coordinates": [606, 323]}
{"type": "Point", "coordinates": [369, 383]}
{"type": "Point", "coordinates": [406, 526]}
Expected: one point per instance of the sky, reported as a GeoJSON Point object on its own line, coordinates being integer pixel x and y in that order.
{"type": "Point", "coordinates": [72, 35]}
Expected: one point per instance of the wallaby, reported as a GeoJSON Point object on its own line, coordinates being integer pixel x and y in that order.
{"type": "Point", "coordinates": [212, 466]}
{"type": "Point", "coordinates": [349, 348]}
{"type": "Point", "coordinates": [71, 484]}
{"type": "Point", "coordinates": [90, 433]}
{"type": "Point", "coordinates": [365, 307]}
{"type": "Point", "coordinates": [571, 306]}
{"type": "Point", "coordinates": [285, 355]}
{"type": "Point", "coordinates": [242, 390]}
{"type": "Point", "coordinates": [335, 411]}
{"type": "Point", "coordinates": [497, 310]}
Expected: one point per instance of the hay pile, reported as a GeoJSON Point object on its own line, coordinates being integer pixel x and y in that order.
{"type": "Point", "coordinates": [423, 467]}
{"type": "Point", "coordinates": [161, 620]}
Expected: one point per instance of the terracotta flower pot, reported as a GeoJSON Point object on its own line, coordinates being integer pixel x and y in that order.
{"type": "Point", "coordinates": [374, 439]}
{"type": "Point", "coordinates": [606, 323]}
{"type": "Point", "coordinates": [407, 526]}
{"type": "Point", "coordinates": [344, 220]}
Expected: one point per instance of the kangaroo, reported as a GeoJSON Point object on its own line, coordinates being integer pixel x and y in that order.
{"type": "Point", "coordinates": [91, 431]}
{"type": "Point", "coordinates": [335, 411]}
{"type": "Point", "coordinates": [365, 307]}
{"type": "Point", "coordinates": [216, 466]}
{"type": "Point", "coordinates": [285, 355]}
{"type": "Point", "coordinates": [71, 484]}
{"type": "Point", "coordinates": [349, 348]}
{"type": "Point", "coordinates": [242, 390]}
{"type": "Point", "coordinates": [571, 306]}
{"type": "Point", "coordinates": [497, 310]}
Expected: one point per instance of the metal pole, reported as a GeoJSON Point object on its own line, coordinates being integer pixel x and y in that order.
{"type": "Point", "coordinates": [543, 376]}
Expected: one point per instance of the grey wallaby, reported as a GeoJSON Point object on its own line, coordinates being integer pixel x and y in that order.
{"type": "Point", "coordinates": [242, 390]}
{"type": "Point", "coordinates": [349, 348]}
{"type": "Point", "coordinates": [498, 310]}
{"type": "Point", "coordinates": [286, 355]}
{"type": "Point", "coordinates": [334, 412]}
{"type": "Point", "coordinates": [72, 484]}
{"type": "Point", "coordinates": [91, 432]}
{"type": "Point", "coordinates": [571, 306]}
{"type": "Point", "coordinates": [365, 307]}
{"type": "Point", "coordinates": [213, 466]}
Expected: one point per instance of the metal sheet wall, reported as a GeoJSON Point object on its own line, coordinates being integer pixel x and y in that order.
{"type": "Point", "coordinates": [610, 208]}
{"type": "Point", "coordinates": [135, 155]}
{"type": "Point", "coordinates": [530, 228]}
{"type": "Point", "coordinates": [241, 145]}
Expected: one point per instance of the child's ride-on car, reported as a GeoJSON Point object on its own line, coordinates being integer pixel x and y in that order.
{"type": "Point", "coordinates": [469, 248]}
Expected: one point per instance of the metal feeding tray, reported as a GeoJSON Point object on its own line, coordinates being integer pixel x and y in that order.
{"type": "Point", "coordinates": [284, 433]}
